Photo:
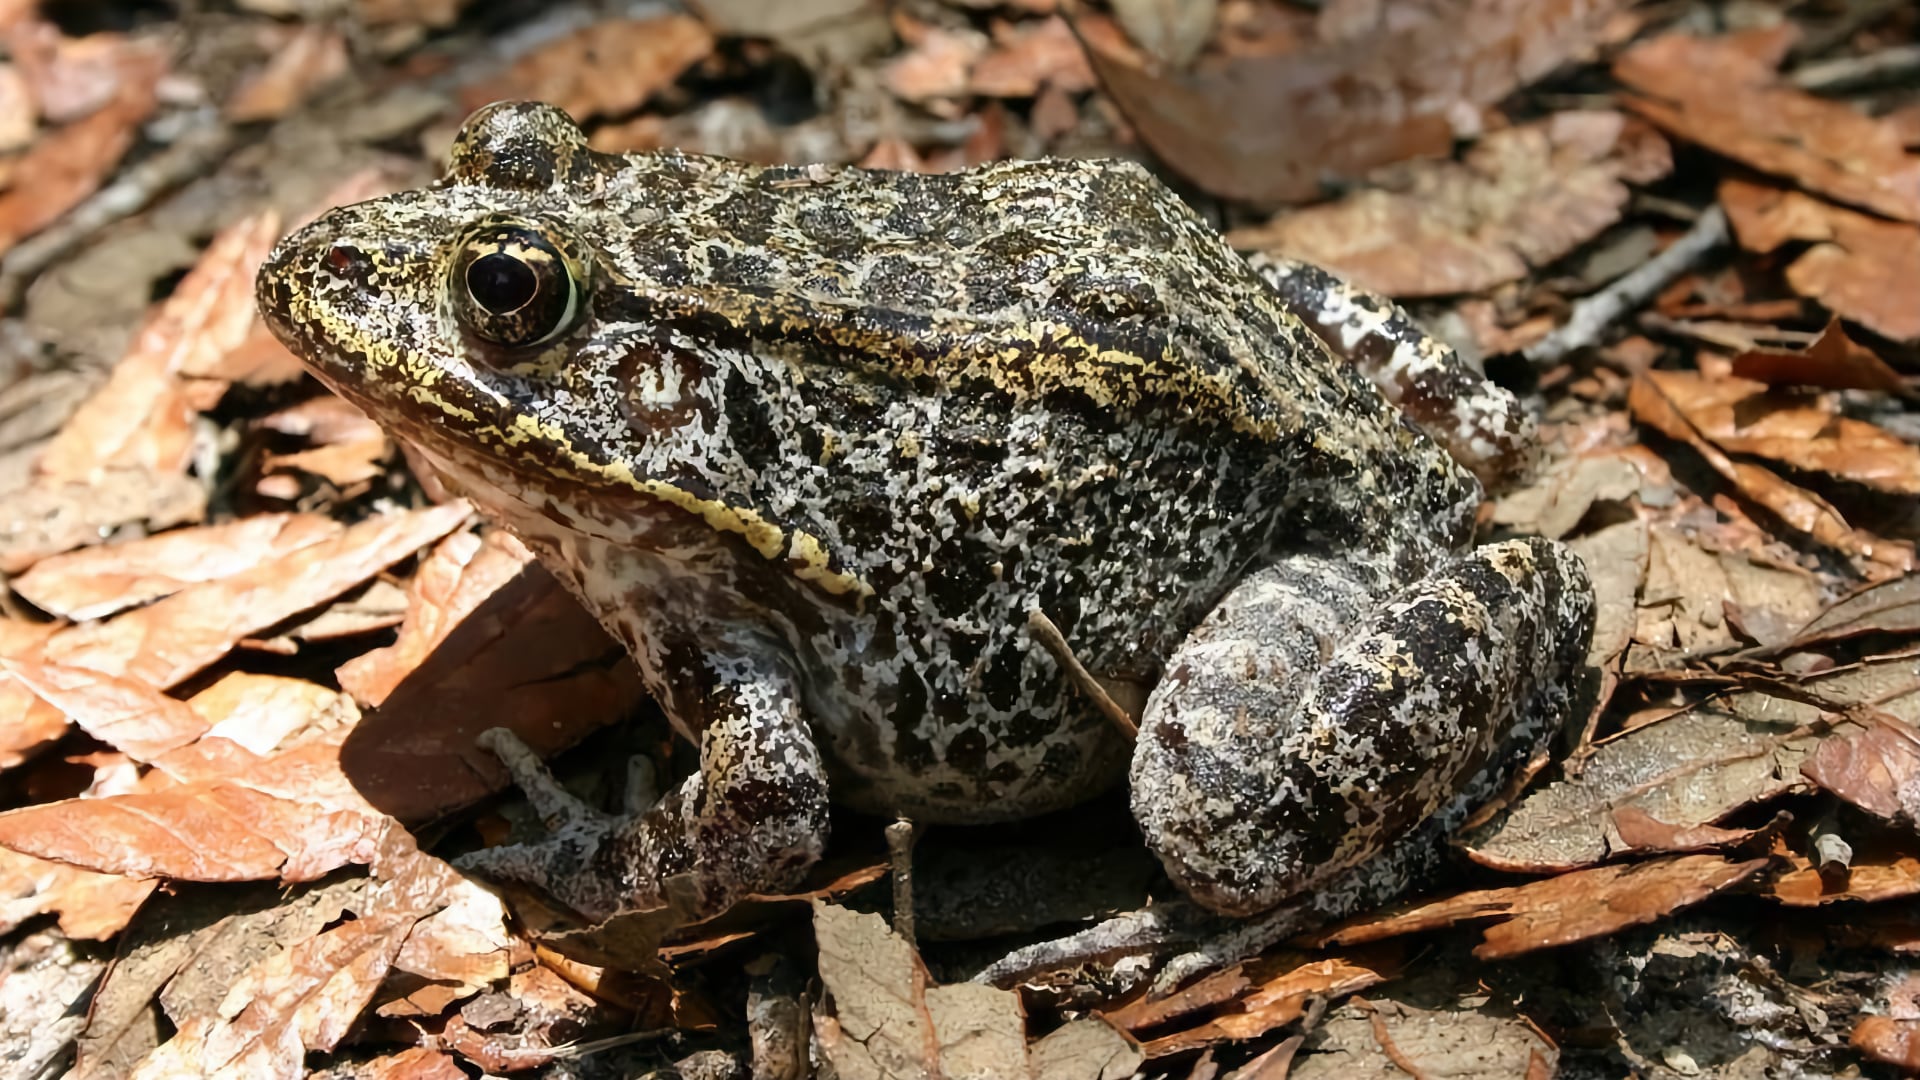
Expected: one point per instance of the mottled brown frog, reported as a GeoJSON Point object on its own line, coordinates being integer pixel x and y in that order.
{"type": "Point", "coordinates": [815, 442]}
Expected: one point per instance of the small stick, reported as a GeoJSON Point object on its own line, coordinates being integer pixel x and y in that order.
{"type": "Point", "coordinates": [1597, 312]}
{"type": "Point", "coordinates": [1898, 65]}
{"type": "Point", "coordinates": [194, 153]}
{"type": "Point", "coordinates": [1052, 640]}
{"type": "Point", "coordinates": [900, 859]}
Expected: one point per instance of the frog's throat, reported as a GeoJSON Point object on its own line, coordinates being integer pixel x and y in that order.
{"type": "Point", "coordinates": [806, 558]}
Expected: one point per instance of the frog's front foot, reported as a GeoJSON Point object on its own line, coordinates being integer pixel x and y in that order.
{"type": "Point", "coordinates": [751, 819]}
{"type": "Point", "coordinates": [1306, 727]}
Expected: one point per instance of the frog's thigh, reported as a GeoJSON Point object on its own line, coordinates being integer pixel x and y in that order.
{"type": "Point", "coordinates": [1253, 789]}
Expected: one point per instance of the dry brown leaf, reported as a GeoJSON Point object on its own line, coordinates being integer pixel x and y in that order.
{"type": "Point", "coordinates": [1724, 94]}
{"type": "Point", "coordinates": [1616, 560]}
{"type": "Point", "coordinates": [1887, 607]}
{"type": "Point", "coordinates": [893, 154]}
{"type": "Point", "coordinates": [1573, 907]}
{"type": "Point", "coordinates": [544, 1011]}
{"type": "Point", "coordinates": [934, 68]}
{"type": "Point", "coordinates": [1694, 598]}
{"type": "Point", "coordinates": [461, 940]}
{"type": "Point", "coordinates": [1478, 1035]}
{"type": "Point", "coordinates": [1859, 265]}
{"type": "Point", "coordinates": [47, 519]}
{"type": "Point", "coordinates": [259, 360]}
{"type": "Point", "coordinates": [413, 13]}
{"type": "Point", "coordinates": [1878, 874]}
{"type": "Point", "coordinates": [168, 640]}
{"type": "Point", "coordinates": [1692, 768]}
{"type": "Point", "coordinates": [1765, 216]}
{"type": "Point", "coordinates": [313, 56]}
{"type": "Point", "coordinates": [1522, 198]}
{"type": "Point", "coordinates": [1275, 128]}
{"type": "Point", "coordinates": [1029, 55]}
{"type": "Point", "coordinates": [1279, 998]}
{"type": "Point", "coordinates": [262, 713]}
{"type": "Point", "coordinates": [883, 1017]}
{"type": "Point", "coordinates": [91, 907]}
{"type": "Point", "coordinates": [67, 165]}
{"type": "Point", "coordinates": [141, 418]}
{"type": "Point", "coordinates": [345, 465]}
{"type": "Point", "coordinates": [124, 714]}
{"type": "Point", "coordinates": [1809, 433]}
{"type": "Point", "coordinates": [1641, 831]}
{"type": "Point", "coordinates": [460, 574]}
{"type": "Point", "coordinates": [414, 1063]}
{"type": "Point", "coordinates": [606, 69]}
{"type": "Point", "coordinates": [1554, 501]}
{"type": "Point", "coordinates": [96, 582]}
{"type": "Point", "coordinates": [1084, 1049]}
{"type": "Point", "coordinates": [1171, 31]}
{"type": "Point", "coordinates": [73, 77]}
{"type": "Point", "coordinates": [530, 659]}
{"type": "Point", "coordinates": [1889, 1039]}
{"type": "Point", "coordinates": [321, 420]}
{"type": "Point", "coordinates": [303, 999]}
{"type": "Point", "coordinates": [1876, 767]}
{"type": "Point", "coordinates": [32, 724]}
{"type": "Point", "coordinates": [465, 945]}
{"type": "Point", "coordinates": [1834, 361]}
{"type": "Point", "coordinates": [20, 638]}
{"type": "Point", "coordinates": [292, 816]}
{"type": "Point", "coordinates": [16, 110]}
{"type": "Point", "coordinates": [1797, 507]}
{"type": "Point", "coordinates": [786, 23]}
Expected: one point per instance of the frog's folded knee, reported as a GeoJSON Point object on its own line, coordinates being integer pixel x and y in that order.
{"type": "Point", "coordinates": [1253, 789]}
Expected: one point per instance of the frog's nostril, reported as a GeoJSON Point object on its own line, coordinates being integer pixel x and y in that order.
{"type": "Point", "coordinates": [344, 260]}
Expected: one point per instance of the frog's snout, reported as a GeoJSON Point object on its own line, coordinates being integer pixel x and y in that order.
{"type": "Point", "coordinates": [270, 285]}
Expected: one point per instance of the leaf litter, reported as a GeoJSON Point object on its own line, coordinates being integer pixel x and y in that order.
{"type": "Point", "coordinates": [207, 548]}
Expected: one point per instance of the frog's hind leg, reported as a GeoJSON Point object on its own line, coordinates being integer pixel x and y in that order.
{"type": "Point", "coordinates": [1304, 728]}
{"type": "Point", "coordinates": [1483, 426]}
{"type": "Point", "coordinates": [750, 820]}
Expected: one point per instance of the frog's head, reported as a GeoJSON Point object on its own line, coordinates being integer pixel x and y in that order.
{"type": "Point", "coordinates": [464, 317]}
{"type": "Point", "coordinates": [497, 323]}
{"type": "Point", "coordinates": [437, 310]}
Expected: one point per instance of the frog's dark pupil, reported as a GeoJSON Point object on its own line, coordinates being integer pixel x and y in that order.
{"type": "Point", "coordinates": [501, 283]}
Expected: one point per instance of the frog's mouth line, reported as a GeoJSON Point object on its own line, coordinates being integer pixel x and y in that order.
{"type": "Point", "coordinates": [541, 459]}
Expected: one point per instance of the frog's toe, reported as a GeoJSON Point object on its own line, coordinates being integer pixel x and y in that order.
{"type": "Point", "coordinates": [562, 865]}
{"type": "Point", "coordinates": [558, 808]}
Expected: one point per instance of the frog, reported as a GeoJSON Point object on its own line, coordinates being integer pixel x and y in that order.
{"type": "Point", "coordinates": [820, 444]}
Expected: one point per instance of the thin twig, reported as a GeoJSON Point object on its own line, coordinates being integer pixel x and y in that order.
{"type": "Point", "coordinates": [1885, 67]}
{"type": "Point", "coordinates": [1051, 639]}
{"type": "Point", "coordinates": [194, 153]}
{"type": "Point", "coordinates": [1836, 33]}
{"type": "Point", "coordinates": [900, 837]}
{"type": "Point", "coordinates": [1595, 313]}
{"type": "Point", "coordinates": [1738, 336]}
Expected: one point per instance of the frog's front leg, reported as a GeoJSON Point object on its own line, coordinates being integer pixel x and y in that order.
{"type": "Point", "coordinates": [750, 820]}
{"type": "Point", "coordinates": [1306, 724]}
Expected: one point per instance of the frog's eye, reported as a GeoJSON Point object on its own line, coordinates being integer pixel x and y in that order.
{"type": "Point", "coordinates": [513, 287]}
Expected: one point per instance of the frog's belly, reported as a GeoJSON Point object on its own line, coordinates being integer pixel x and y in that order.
{"type": "Point", "coordinates": [982, 776]}
{"type": "Point", "coordinates": [944, 733]}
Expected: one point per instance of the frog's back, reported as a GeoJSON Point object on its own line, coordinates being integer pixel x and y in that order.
{"type": "Point", "coordinates": [1098, 250]}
